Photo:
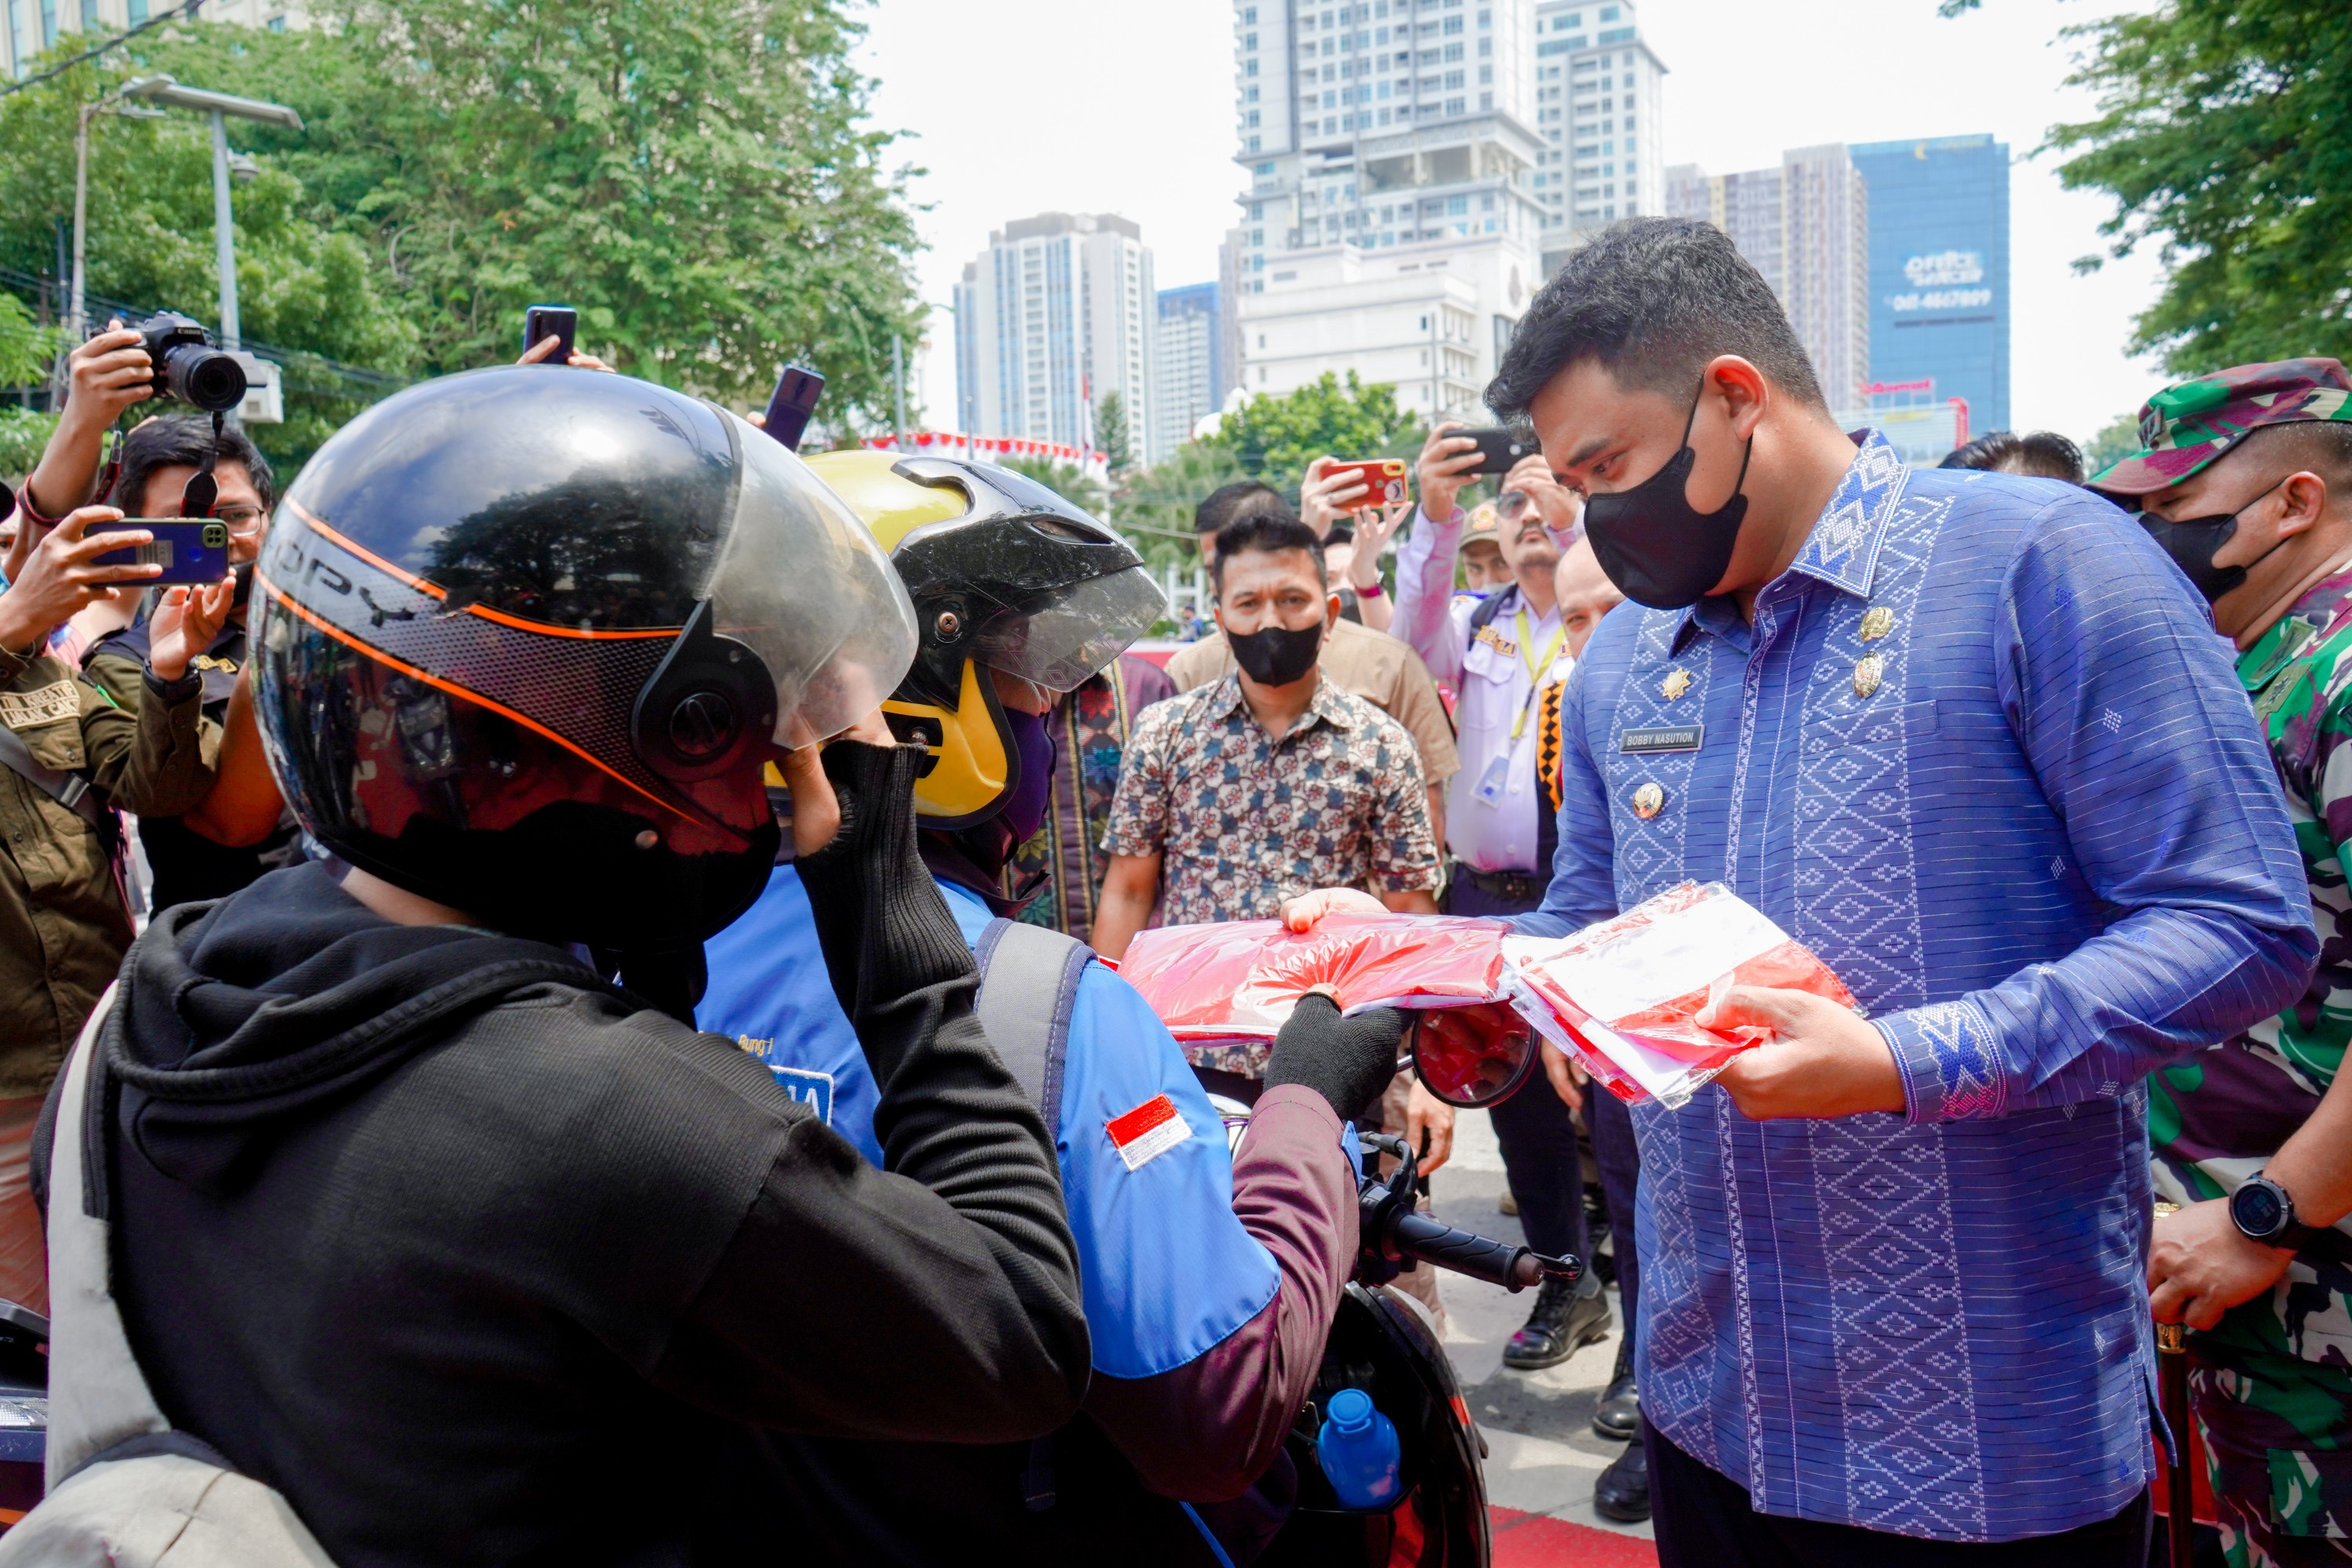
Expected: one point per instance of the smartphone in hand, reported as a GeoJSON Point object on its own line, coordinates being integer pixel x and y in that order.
{"type": "Point", "coordinates": [1383, 479]}
{"type": "Point", "coordinates": [189, 550]}
{"type": "Point", "coordinates": [1500, 450]}
{"type": "Point", "coordinates": [793, 404]}
{"type": "Point", "coordinates": [543, 321]}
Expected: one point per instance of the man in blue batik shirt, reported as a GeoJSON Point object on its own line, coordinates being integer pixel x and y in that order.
{"type": "Point", "coordinates": [1969, 737]}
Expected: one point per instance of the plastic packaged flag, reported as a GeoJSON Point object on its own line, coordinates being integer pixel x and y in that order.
{"type": "Point", "coordinates": [1224, 991]}
{"type": "Point", "coordinates": [1622, 996]}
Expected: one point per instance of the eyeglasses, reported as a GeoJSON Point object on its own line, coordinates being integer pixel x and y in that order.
{"type": "Point", "coordinates": [241, 519]}
{"type": "Point", "coordinates": [1511, 503]}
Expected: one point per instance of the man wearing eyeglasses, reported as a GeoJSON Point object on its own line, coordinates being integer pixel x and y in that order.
{"type": "Point", "coordinates": [240, 830]}
{"type": "Point", "coordinates": [1499, 654]}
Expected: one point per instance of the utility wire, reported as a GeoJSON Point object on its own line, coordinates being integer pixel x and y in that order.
{"type": "Point", "coordinates": [187, 9]}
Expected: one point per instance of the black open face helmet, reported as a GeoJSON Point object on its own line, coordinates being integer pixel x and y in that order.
{"type": "Point", "coordinates": [530, 636]}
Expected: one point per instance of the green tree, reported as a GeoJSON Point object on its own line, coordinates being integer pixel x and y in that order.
{"type": "Point", "coordinates": [26, 346]}
{"type": "Point", "coordinates": [1112, 437]}
{"type": "Point", "coordinates": [2225, 137]}
{"type": "Point", "coordinates": [1065, 480]}
{"type": "Point", "coordinates": [1274, 438]}
{"type": "Point", "coordinates": [697, 176]}
{"type": "Point", "coordinates": [1155, 504]}
{"type": "Point", "coordinates": [302, 285]}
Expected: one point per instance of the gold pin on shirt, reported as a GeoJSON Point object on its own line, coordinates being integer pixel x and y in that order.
{"type": "Point", "coordinates": [1676, 682]}
{"type": "Point", "coordinates": [1648, 801]}
{"type": "Point", "coordinates": [1876, 622]}
{"type": "Point", "coordinates": [1868, 670]}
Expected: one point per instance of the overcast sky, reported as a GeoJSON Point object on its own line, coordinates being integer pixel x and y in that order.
{"type": "Point", "coordinates": [1125, 106]}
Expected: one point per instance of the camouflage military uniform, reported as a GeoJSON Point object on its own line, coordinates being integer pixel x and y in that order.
{"type": "Point", "coordinates": [2272, 1382]}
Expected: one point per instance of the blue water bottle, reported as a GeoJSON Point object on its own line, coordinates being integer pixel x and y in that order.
{"type": "Point", "coordinates": [1357, 1451]}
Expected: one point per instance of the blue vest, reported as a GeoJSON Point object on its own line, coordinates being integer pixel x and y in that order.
{"type": "Point", "coordinates": [1166, 1268]}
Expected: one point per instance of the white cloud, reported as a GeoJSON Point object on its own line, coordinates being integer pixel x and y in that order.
{"type": "Point", "coordinates": [1024, 106]}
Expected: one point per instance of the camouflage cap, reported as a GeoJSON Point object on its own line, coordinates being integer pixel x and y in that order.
{"type": "Point", "coordinates": [1484, 525]}
{"type": "Point", "coordinates": [2184, 427]}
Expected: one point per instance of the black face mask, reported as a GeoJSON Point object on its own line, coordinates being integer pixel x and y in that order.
{"type": "Point", "coordinates": [1653, 545]}
{"type": "Point", "coordinates": [1277, 656]}
{"type": "Point", "coordinates": [2192, 542]}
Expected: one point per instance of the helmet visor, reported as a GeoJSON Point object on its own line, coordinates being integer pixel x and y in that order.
{"type": "Point", "coordinates": [801, 582]}
{"type": "Point", "coordinates": [1060, 639]}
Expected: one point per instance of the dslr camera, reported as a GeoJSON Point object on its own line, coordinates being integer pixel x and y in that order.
{"type": "Point", "coordinates": [187, 364]}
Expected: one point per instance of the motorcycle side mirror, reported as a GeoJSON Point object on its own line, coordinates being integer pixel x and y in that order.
{"type": "Point", "coordinates": [1472, 1057]}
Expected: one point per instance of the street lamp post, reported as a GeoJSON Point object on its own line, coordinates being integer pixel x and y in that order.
{"type": "Point", "coordinates": [163, 89]}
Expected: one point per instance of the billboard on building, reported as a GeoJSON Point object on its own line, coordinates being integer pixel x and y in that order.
{"type": "Point", "coordinates": [1940, 270]}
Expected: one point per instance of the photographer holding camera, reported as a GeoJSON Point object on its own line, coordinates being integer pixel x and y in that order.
{"type": "Point", "coordinates": [72, 754]}
{"type": "Point", "coordinates": [241, 829]}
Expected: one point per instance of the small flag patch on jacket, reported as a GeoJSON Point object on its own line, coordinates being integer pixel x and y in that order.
{"type": "Point", "coordinates": [1147, 1131]}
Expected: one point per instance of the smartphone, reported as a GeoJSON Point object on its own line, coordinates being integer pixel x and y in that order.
{"type": "Point", "coordinates": [1382, 478]}
{"type": "Point", "coordinates": [1499, 450]}
{"type": "Point", "coordinates": [189, 550]}
{"type": "Point", "coordinates": [797, 390]}
{"type": "Point", "coordinates": [543, 321]}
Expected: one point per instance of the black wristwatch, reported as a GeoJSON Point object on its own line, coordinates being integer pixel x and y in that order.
{"type": "Point", "coordinates": [2263, 1212]}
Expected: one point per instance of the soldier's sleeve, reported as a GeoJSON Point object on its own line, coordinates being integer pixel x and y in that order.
{"type": "Point", "coordinates": [150, 757]}
{"type": "Point", "coordinates": [2331, 772]}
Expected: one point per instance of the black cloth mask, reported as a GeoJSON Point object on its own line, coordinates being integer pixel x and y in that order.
{"type": "Point", "coordinates": [1652, 544]}
{"type": "Point", "coordinates": [2193, 541]}
{"type": "Point", "coordinates": [1277, 656]}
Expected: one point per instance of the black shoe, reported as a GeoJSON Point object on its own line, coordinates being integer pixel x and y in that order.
{"type": "Point", "coordinates": [1563, 1321]}
{"type": "Point", "coordinates": [1619, 1418]}
{"type": "Point", "coordinates": [1622, 1492]}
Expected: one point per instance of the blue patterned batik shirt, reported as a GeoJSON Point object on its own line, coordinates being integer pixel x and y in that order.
{"type": "Point", "coordinates": [1982, 752]}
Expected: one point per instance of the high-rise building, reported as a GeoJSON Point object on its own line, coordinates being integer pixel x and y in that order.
{"type": "Point", "coordinates": [1058, 313]}
{"type": "Point", "coordinates": [1939, 274]}
{"type": "Point", "coordinates": [1192, 351]}
{"type": "Point", "coordinates": [1597, 106]}
{"type": "Point", "coordinates": [1385, 141]}
{"type": "Point", "coordinates": [1805, 225]}
{"type": "Point", "coordinates": [29, 26]}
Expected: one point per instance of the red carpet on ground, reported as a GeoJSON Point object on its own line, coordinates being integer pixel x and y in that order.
{"type": "Point", "coordinates": [1539, 1541]}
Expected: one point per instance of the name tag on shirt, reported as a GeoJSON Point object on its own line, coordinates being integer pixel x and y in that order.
{"type": "Point", "coordinates": [1665, 738]}
{"type": "Point", "coordinates": [1497, 641]}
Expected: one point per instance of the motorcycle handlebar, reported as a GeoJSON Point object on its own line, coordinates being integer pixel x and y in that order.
{"type": "Point", "coordinates": [1512, 1266]}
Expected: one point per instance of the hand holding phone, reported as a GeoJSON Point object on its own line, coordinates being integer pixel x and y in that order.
{"type": "Point", "coordinates": [791, 404]}
{"type": "Point", "coordinates": [541, 323]}
{"type": "Point", "coordinates": [1499, 450]}
{"type": "Point", "coordinates": [1383, 479]}
{"type": "Point", "coordinates": [189, 550]}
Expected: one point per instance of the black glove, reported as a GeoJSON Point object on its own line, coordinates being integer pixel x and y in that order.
{"type": "Point", "coordinates": [1347, 1061]}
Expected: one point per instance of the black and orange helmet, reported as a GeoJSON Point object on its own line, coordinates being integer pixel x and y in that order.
{"type": "Point", "coordinates": [529, 636]}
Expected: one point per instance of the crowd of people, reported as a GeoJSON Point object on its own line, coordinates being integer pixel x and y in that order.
{"type": "Point", "coordinates": [595, 775]}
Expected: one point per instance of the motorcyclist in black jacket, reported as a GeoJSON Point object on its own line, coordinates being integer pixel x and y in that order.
{"type": "Point", "coordinates": [478, 1257]}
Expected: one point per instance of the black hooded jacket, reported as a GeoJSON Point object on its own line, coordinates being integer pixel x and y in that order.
{"type": "Point", "coordinates": [478, 1261]}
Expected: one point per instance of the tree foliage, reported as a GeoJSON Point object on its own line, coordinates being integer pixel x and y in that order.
{"type": "Point", "coordinates": [2225, 136]}
{"type": "Point", "coordinates": [303, 284]}
{"type": "Point", "coordinates": [697, 177]}
{"type": "Point", "coordinates": [1112, 437]}
{"type": "Point", "coordinates": [1274, 438]}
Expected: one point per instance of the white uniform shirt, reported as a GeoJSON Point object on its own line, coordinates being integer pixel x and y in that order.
{"type": "Point", "coordinates": [1491, 829]}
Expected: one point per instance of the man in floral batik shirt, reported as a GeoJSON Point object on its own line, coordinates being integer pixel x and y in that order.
{"type": "Point", "coordinates": [1254, 788]}
{"type": "Point", "coordinates": [2247, 481]}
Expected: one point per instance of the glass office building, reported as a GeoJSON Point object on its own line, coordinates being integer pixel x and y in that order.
{"type": "Point", "coordinates": [1939, 274]}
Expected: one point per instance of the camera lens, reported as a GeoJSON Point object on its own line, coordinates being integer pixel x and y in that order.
{"type": "Point", "coordinates": [204, 377]}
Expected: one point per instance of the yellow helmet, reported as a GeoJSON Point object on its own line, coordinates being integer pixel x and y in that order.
{"type": "Point", "coordinates": [1004, 574]}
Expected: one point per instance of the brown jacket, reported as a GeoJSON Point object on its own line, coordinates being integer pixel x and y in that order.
{"type": "Point", "coordinates": [63, 927]}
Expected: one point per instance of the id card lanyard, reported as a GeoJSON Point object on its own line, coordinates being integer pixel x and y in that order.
{"type": "Point", "coordinates": [1537, 668]}
{"type": "Point", "coordinates": [1488, 791]}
